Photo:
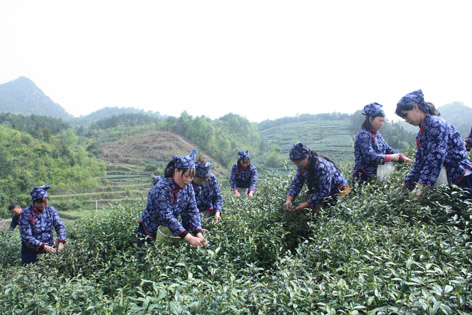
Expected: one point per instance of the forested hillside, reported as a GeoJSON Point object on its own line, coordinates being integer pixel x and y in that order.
{"type": "Point", "coordinates": [459, 115]}
{"type": "Point", "coordinates": [132, 147]}
{"type": "Point", "coordinates": [91, 164]}
{"type": "Point", "coordinates": [108, 112]}
{"type": "Point", "coordinates": [27, 161]}
{"type": "Point", "coordinates": [22, 96]}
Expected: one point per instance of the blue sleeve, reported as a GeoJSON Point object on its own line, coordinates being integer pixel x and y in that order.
{"type": "Point", "coordinates": [436, 136]}
{"type": "Point", "coordinates": [162, 209]}
{"type": "Point", "coordinates": [366, 150]}
{"type": "Point", "coordinates": [232, 179]}
{"type": "Point", "coordinates": [297, 184]}
{"type": "Point", "coordinates": [26, 231]}
{"type": "Point", "coordinates": [253, 182]}
{"type": "Point", "coordinates": [468, 141]}
{"type": "Point", "coordinates": [14, 222]}
{"type": "Point", "coordinates": [191, 218]}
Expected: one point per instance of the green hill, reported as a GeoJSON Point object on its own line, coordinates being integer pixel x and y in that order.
{"type": "Point", "coordinates": [458, 115]}
{"type": "Point", "coordinates": [27, 162]}
{"type": "Point", "coordinates": [22, 96]}
{"type": "Point", "coordinates": [331, 135]}
{"type": "Point", "coordinates": [108, 112]}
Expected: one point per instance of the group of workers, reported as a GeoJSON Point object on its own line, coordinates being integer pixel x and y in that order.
{"type": "Point", "coordinates": [190, 190]}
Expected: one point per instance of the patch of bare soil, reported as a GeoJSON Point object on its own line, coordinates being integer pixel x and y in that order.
{"type": "Point", "coordinates": [150, 144]}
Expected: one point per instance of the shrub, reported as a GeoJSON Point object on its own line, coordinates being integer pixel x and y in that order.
{"type": "Point", "coordinates": [372, 253]}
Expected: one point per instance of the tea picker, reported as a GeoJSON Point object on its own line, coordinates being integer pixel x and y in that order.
{"type": "Point", "coordinates": [373, 155]}
{"type": "Point", "coordinates": [439, 146]}
{"type": "Point", "coordinates": [207, 192]}
{"type": "Point", "coordinates": [16, 210]}
{"type": "Point", "coordinates": [36, 226]}
{"type": "Point", "coordinates": [170, 198]}
{"type": "Point", "coordinates": [323, 178]}
{"type": "Point", "coordinates": [243, 178]}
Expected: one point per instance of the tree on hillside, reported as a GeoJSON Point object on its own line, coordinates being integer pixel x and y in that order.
{"type": "Point", "coordinates": [275, 158]}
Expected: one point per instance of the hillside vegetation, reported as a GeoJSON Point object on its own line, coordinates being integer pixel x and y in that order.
{"type": "Point", "coordinates": [331, 135]}
{"type": "Point", "coordinates": [123, 152]}
{"type": "Point", "coordinates": [26, 162]}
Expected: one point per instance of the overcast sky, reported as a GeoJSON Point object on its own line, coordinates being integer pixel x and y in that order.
{"type": "Point", "coordinates": [260, 59]}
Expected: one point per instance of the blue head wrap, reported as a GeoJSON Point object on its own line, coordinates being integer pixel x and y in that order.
{"type": "Point", "coordinates": [39, 192]}
{"type": "Point", "coordinates": [203, 170]}
{"type": "Point", "coordinates": [299, 152]}
{"type": "Point", "coordinates": [414, 98]}
{"type": "Point", "coordinates": [187, 161]}
{"type": "Point", "coordinates": [244, 155]}
{"type": "Point", "coordinates": [373, 110]}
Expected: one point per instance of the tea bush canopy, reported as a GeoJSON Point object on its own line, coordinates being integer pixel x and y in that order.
{"type": "Point", "coordinates": [372, 253]}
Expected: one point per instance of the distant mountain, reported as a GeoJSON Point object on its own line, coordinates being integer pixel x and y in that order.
{"type": "Point", "coordinates": [456, 113]}
{"type": "Point", "coordinates": [108, 112]}
{"type": "Point", "coordinates": [459, 115]}
{"type": "Point", "coordinates": [22, 96]}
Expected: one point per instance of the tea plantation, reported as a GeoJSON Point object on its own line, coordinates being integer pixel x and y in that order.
{"type": "Point", "coordinates": [373, 253]}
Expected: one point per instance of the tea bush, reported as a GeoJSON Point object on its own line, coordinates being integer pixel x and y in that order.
{"type": "Point", "coordinates": [373, 253]}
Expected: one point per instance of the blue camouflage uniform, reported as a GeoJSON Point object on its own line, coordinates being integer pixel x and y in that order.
{"type": "Point", "coordinates": [370, 151]}
{"type": "Point", "coordinates": [208, 195]}
{"type": "Point", "coordinates": [438, 143]}
{"type": "Point", "coordinates": [468, 141]}
{"type": "Point", "coordinates": [36, 227]}
{"type": "Point", "coordinates": [15, 220]}
{"type": "Point", "coordinates": [322, 178]}
{"type": "Point", "coordinates": [167, 201]}
{"type": "Point", "coordinates": [156, 179]}
{"type": "Point", "coordinates": [243, 177]}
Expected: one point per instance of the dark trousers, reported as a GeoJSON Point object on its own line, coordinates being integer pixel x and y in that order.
{"type": "Point", "coordinates": [28, 255]}
{"type": "Point", "coordinates": [466, 183]}
{"type": "Point", "coordinates": [359, 178]}
{"type": "Point", "coordinates": [143, 239]}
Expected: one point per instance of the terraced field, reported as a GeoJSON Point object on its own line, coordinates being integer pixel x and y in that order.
{"type": "Point", "coordinates": [331, 138]}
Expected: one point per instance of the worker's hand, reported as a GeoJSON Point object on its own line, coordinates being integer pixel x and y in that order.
{"type": "Point", "coordinates": [236, 193]}
{"type": "Point", "coordinates": [195, 241]}
{"type": "Point", "coordinates": [416, 193]}
{"type": "Point", "coordinates": [217, 217]}
{"type": "Point", "coordinates": [302, 206]}
{"type": "Point", "coordinates": [251, 194]}
{"type": "Point", "coordinates": [49, 249]}
{"type": "Point", "coordinates": [394, 157]}
{"type": "Point", "coordinates": [288, 204]}
{"type": "Point", "coordinates": [398, 190]}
